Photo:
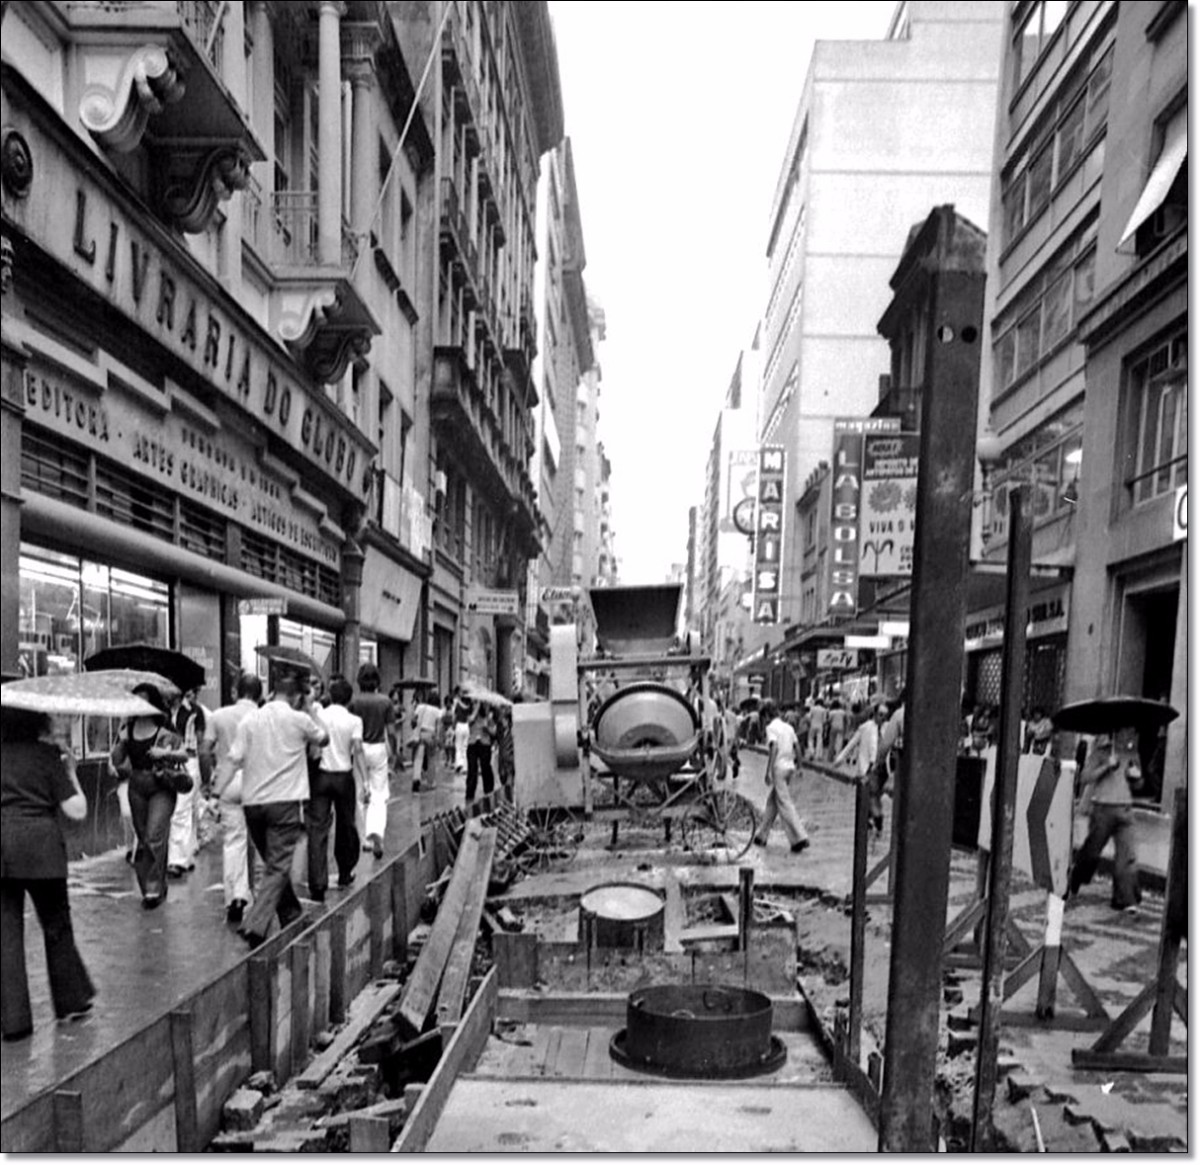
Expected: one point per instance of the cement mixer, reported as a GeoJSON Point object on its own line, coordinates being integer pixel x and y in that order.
{"type": "Point", "coordinates": [629, 733]}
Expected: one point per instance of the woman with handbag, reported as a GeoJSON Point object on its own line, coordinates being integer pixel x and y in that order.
{"type": "Point", "coordinates": [154, 758]}
{"type": "Point", "coordinates": [37, 782]}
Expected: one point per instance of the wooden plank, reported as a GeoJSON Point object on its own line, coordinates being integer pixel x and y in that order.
{"type": "Point", "coordinates": [337, 967]}
{"type": "Point", "coordinates": [578, 1009]}
{"type": "Point", "coordinates": [462, 953]}
{"type": "Point", "coordinates": [545, 1066]}
{"type": "Point", "coordinates": [710, 933]}
{"type": "Point", "coordinates": [516, 956]}
{"type": "Point", "coordinates": [674, 918]}
{"type": "Point", "coordinates": [187, 1136]}
{"type": "Point", "coordinates": [597, 1063]}
{"type": "Point", "coordinates": [458, 1057]}
{"type": "Point", "coordinates": [1090, 1060]}
{"type": "Point", "coordinates": [262, 1013]}
{"type": "Point", "coordinates": [377, 903]}
{"type": "Point", "coordinates": [320, 976]}
{"type": "Point", "coordinates": [367, 1007]}
{"type": "Point", "coordinates": [300, 955]}
{"type": "Point", "coordinates": [422, 985]}
{"type": "Point", "coordinates": [400, 923]}
{"type": "Point", "coordinates": [572, 1053]}
{"type": "Point", "coordinates": [68, 1121]}
{"type": "Point", "coordinates": [369, 1134]}
{"type": "Point", "coordinates": [730, 902]}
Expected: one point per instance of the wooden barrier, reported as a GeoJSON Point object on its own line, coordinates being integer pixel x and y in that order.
{"type": "Point", "coordinates": [163, 1088]}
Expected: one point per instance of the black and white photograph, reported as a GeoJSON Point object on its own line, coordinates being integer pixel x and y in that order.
{"type": "Point", "coordinates": [594, 577]}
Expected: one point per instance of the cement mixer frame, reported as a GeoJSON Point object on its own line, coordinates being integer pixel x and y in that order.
{"type": "Point", "coordinates": [643, 754]}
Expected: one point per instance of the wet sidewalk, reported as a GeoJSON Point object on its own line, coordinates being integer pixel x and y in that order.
{"type": "Point", "coordinates": [144, 963]}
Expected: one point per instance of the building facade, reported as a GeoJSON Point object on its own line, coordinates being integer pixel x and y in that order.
{"type": "Point", "coordinates": [1087, 360]}
{"type": "Point", "coordinates": [883, 130]}
{"type": "Point", "coordinates": [494, 107]}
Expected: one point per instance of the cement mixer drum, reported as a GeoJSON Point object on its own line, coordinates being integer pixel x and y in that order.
{"type": "Point", "coordinates": [645, 731]}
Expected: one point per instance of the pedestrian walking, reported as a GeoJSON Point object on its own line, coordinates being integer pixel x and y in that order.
{"type": "Point", "coordinates": [152, 758]}
{"type": "Point", "coordinates": [332, 795]}
{"type": "Point", "coordinates": [863, 746]}
{"type": "Point", "coordinates": [270, 750]}
{"type": "Point", "coordinates": [839, 724]}
{"type": "Point", "coordinates": [1110, 776]}
{"type": "Point", "coordinates": [782, 754]}
{"type": "Point", "coordinates": [37, 780]}
{"type": "Point", "coordinates": [481, 732]}
{"type": "Point", "coordinates": [447, 730]}
{"type": "Point", "coordinates": [219, 732]}
{"type": "Point", "coordinates": [427, 724]}
{"type": "Point", "coordinates": [188, 722]}
{"type": "Point", "coordinates": [505, 756]}
{"type": "Point", "coordinates": [378, 717]}
{"type": "Point", "coordinates": [462, 731]}
{"type": "Point", "coordinates": [816, 730]}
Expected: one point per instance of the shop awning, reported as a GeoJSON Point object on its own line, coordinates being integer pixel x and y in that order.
{"type": "Point", "coordinates": [391, 596]}
{"type": "Point", "coordinates": [1172, 156]}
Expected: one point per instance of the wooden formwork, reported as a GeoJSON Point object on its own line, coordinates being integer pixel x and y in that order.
{"type": "Point", "coordinates": [163, 1088]}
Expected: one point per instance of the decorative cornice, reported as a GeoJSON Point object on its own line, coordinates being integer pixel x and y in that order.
{"type": "Point", "coordinates": [198, 180]}
{"type": "Point", "coordinates": [121, 94]}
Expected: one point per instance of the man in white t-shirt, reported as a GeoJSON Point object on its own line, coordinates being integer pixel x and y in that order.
{"type": "Point", "coordinates": [332, 794]}
{"type": "Point", "coordinates": [782, 751]}
{"type": "Point", "coordinates": [427, 723]}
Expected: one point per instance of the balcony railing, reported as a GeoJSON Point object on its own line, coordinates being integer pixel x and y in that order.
{"type": "Point", "coordinates": [253, 218]}
{"type": "Point", "coordinates": [200, 18]}
{"type": "Point", "coordinates": [295, 239]}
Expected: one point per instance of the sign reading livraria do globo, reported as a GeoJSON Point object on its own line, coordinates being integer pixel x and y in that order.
{"type": "Point", "coordinates": [768, 533]}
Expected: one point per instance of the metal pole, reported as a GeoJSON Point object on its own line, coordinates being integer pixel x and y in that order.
{"type": "Point", "coordinates": [1004, 799]}
{"type": "Point", "coordinates": [858, 919]}
{"type": "Point", "coordinates": [923, 809]}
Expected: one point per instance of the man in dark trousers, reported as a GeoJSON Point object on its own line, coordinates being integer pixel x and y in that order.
{"type": "Point", "coordinates": [271, 752]}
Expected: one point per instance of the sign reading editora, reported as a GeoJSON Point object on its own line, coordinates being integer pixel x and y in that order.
{"type": "Point", "coordinates": [768, 534]}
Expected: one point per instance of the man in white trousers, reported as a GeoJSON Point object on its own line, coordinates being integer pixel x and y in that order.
{"type": "Point", "coordinates": [188, 720]}
{"type": "Point", "coordinates": [219, 733]}
{"type": "Point", "coordinates": [379, 719]}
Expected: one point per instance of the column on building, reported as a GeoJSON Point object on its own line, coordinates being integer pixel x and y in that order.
{"type": "Point", "coordinates": [329, 132]}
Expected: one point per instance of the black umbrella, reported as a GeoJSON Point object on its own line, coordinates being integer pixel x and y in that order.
{"type": "Point", "coordinates": [1109, 713]}
{"type": "Point", "coordinates": [291, 656]}
{"type": "Point", "coordinates": [183, 671]}
{"type": "Point", "coordinates": [417, 682]}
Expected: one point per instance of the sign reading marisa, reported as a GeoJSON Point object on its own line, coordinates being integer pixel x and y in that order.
{"type": "Point", "coordinates": [768, 533]}
{"type": "Point", "coordinates": [150, 278]}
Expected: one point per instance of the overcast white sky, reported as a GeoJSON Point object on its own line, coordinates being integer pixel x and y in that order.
{"type": "Point", "coordinates": [679, 116]}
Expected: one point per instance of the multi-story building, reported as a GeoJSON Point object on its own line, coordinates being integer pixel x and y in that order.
{"type": "Point", "coordinates": [494, 105]}
{"type": "Point", "coordinates": [729, 482]}
{"type": "Point", "coordinates": [209, 369]}
{"type": "Point", "coordinates": [883, 130]}
{"type": "Point", "coordinates": [608, 565]}
{"type": "Point", "coordinates": [1087, 359]}
{"type": "Point", "coordinates": [567, 377]}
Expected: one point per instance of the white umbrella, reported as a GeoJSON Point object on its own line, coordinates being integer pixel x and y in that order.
{"type": "Point", "coordinates": [486, 696]}
{"type": "Point", "coordinates": [101, 693]}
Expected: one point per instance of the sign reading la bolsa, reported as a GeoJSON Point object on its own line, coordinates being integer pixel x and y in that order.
{"type": "Point", "coordinates": [148, 277]}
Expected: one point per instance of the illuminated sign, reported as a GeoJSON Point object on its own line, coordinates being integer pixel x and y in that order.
{"type": "Point", "coordinates": [843, 530]}
{"type": "Point", "coordinates": [768, 534]}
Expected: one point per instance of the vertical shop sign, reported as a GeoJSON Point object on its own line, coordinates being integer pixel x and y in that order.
{"type": "Point", "coordinates": [843, 527]}
{"type": "Point", "coordinates": [889, 504]}
{"type": "Point", "coordinates": [768, 533]}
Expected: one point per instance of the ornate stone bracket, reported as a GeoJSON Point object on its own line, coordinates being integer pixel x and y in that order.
{"type": "Point", "coordinates": [122, 92]}
{"type": "Point", "coordinates": [297, 313]}
{"type": "Point", "coordinates": [332, 351]}
{"type": "Point", "coordinates": [198, 180]}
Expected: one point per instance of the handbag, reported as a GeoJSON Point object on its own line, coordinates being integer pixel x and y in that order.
{"type": "Point", "coordinates": [174, 776]}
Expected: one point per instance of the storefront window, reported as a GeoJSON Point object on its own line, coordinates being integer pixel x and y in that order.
{"type": "Point", "coordinates": [71, 608]}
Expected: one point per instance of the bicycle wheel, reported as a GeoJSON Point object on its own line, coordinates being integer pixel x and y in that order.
{"type": "Point", "coordinates": [720, 824]}
{"type": "Point", "coordinates": [554, 837]}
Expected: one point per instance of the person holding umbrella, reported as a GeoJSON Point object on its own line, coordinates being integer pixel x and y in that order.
{"type": "Point", "coordinates": [37, 780]}
{"type": "Point", "coordinates": [152, 757]}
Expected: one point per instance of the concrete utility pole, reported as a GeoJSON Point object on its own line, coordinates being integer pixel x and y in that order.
{"type": "Point", "coordinates": [940, 273]}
